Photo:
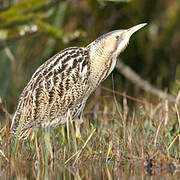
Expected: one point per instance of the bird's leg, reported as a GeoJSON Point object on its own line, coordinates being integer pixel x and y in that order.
{"type": "Point", "coordinates": [78, 121]}
{"type": "Point", "coordinates": [77, 126]}
{"type": "Point", "coordinates": [48, 143]}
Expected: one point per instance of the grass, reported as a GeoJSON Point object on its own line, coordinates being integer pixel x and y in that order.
{"type": "Point", "coordinates": [113, 132]}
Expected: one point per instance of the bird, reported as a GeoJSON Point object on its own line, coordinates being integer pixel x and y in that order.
{"type": "Point", "coordinates": [60, 87]}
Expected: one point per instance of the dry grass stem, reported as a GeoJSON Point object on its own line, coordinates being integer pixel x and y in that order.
{"type": "Point", "coordinates": [166, 112]}
{"type": "Point", "coordinates": [173, 142]}
{"type": "Point", "coordinates": [85, 144]}
{"type": "Point", "coordinates": [77, 154]}
{"type": "Point", "coordinates": [157, 133]}
{"type": "Point", "coordinates": [109, 150]}
{"type": "Point", "coordinates": [3, 155]}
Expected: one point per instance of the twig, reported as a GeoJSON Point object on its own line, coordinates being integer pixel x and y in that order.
{"type": "Point", "coordinates": [124, 95]}
{"type": "Point", "coordinates": [136, 79]}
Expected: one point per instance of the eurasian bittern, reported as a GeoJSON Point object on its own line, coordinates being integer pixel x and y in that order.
{"type": "Point", "coordinates": [61, 86]}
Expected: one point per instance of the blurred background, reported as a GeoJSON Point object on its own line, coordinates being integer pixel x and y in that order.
{"type": "Point", "coordinates": [31, 31]}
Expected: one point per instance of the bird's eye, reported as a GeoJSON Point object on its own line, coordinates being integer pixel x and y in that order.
{"type": "Point", "coordinates": [117, 37]}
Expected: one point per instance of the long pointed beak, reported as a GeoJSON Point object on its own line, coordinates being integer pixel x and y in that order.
{"type": "Point", "coordinates": [133, 29]}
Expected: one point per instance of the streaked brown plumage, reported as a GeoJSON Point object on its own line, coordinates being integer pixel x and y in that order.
{"type": "Point", "coordinates": [63, 83]}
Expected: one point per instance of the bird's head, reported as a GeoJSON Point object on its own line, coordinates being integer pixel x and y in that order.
{"type": "Point", "coordinates": [112, 43]}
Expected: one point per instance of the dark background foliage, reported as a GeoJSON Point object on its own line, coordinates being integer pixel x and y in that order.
{"type": "Point", "coordinates": [31, 31]}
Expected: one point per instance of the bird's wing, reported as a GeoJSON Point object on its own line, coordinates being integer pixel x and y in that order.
{"type": "Point", "coordinates": [57, 85]}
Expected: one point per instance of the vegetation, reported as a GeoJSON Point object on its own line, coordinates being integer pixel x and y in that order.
{"type": "Point", "coordinates": [118, 131]}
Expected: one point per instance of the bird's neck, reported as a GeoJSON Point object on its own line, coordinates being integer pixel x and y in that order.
{"type": "Point", "coordinates": [100, 67]}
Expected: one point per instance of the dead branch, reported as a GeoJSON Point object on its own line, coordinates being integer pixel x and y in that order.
{"type": "Point", "coordinates": [137, 80]}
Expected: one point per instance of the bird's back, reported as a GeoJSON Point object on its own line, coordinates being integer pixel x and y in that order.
{"type": "Point", "coordinates": [58, 85]}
